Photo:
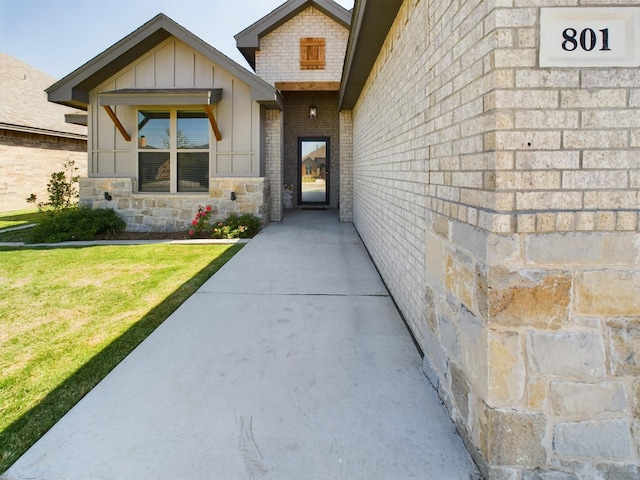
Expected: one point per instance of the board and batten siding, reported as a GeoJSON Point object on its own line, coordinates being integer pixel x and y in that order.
{"type": "Point", "coordinates": [173, 64]}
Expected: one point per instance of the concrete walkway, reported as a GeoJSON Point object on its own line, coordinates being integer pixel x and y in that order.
{"type": "Point", "coordinates": [290, 363]}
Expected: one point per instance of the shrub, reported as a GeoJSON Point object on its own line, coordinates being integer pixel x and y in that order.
{"type": "Point", "coordinates": [62, 188]}
{"type": "Point", "coordinates": [81, 223]}
{"type": "Point", "coordinates": [200, 225]}
{"type": "Point", "coordinates": [244, 226]}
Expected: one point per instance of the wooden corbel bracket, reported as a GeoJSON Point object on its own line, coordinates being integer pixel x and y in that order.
{"type": "Point", "coordinates": [116, 121]}
{"type": "Point", "coordinates": [212, 121]}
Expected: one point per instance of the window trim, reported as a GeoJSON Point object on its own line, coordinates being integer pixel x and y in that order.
{"type": "Point", "coordinates": [173, 149]}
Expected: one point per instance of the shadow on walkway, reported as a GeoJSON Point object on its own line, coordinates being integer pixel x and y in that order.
{"type": "Point", "coordinates": [20, 435]}
{"type": "Point", "coordinates": [290, 363]}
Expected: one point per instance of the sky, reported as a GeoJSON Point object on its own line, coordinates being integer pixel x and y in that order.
{"type": "Point", "coordinates": [58, 36]}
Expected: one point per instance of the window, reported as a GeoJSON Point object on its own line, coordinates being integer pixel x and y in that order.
{"type": "Point", "coordinates": [173, 151]}
{"type": "Point", "coordinates": [312, 53]}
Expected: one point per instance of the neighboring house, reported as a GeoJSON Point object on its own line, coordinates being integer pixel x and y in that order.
{"type": "Point", "coordinates": [314, 164]}
{"type": "Point", "coordinates": [499, 200]}
{"type": "Point", "coordinates": [35, 140]}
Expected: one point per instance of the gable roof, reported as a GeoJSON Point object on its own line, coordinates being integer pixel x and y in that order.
{"type": "Point", "coordinates": [248, 40]}
{"type": "Point", "coordinates": [370, 25]}
{"type": "Point", "coordinates": [24, 106]}
{"type": "Point", "coordinates": [73, 90]}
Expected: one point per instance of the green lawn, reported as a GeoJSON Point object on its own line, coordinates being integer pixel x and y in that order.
{"type": "Point", "coordinates": [10, 220]}
{"type": "Point", "coordinates": [68, 316]}
{"type": "Point", "coordinates": [17, 219]}
{"type": "Point", "coordinates": [21, 236]}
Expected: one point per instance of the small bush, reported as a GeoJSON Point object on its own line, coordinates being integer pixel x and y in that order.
{"type": "Point", "coordinates": [62, 188]}
{"type": "Point", "coordinates": [200, 225]}
{"type": "Point", "coordinates": [76, 224]}
{"type": "Point", "coordinates": [244, 226]}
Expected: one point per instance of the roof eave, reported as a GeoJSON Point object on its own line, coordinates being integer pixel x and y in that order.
{"type": "Point", "coordinates": [249, 55]}
{"type": "Point", "coordinates": [268, 99]}
{"type": "Point", "coordinates": [73, 90]}
{"type": "Point", "coordinates": [77, 119]}
{"type": "Point", "coordinates": [370, 25]}
{"type": "Point", "coordinates": [42, 131]}
{"type": "Point", "coordinates": [248, 40]}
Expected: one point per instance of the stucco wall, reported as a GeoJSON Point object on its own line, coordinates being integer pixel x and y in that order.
{"type": "Point", "coordinates": [500, 204]}
{"type": "Point", "coordinates": [27, 161]}
{"type": "Point", "coordinates": [278, 59]}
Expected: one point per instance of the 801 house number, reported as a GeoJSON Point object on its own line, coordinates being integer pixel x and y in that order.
{"type": "Point", "coordinates": [578, 37]}
{"type": "Point", "coordinates": [587, 40]}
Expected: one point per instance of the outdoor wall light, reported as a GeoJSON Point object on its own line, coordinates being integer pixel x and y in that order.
{"type": "Point", "coordinates": [233, 196]}
{"type": "Point", "coordinates": [313, 112]}
{"type": "Point", "coordinates": [107, 196]}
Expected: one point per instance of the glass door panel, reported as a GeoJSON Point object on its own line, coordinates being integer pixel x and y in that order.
{"type": "Point", "coordinates": [314, 171]}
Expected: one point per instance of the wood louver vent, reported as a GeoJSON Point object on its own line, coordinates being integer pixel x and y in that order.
{"type": "Point", "coordinates": [312, 53]}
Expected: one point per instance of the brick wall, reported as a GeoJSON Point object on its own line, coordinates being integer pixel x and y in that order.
{"type": "Point", "coordinates": [346, 166]}
{"type": "Point", "coordinates": [278, 59]}
{"type": "Point", "coordinates": [274, 131]}
{"type": "Point", "coordinates": [27, 161]}
{"type": "Point", "coordinates": [390, 167]}
{"type": "Point", "coordinates": [298, 124]}
{"type": "Point", "coordinates": [500, 203]}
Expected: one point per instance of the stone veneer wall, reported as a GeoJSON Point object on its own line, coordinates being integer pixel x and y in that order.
{"type": "Point", "coordinates": [146, 212]}
{"type": "Point", "coordinates": [500, 203]}
{"type": "Point", "coordinates": [278, 59]}
{"type": "Point", "coordinates": [27, 161]}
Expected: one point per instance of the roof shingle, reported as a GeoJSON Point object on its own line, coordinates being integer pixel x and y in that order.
{"type": "Point", "coordinates": [24, 104]}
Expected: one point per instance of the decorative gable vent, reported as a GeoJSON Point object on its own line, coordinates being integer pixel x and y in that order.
{"type": "Point", "coordinates": [312, 53]}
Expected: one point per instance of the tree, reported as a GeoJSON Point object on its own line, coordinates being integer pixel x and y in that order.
{"type": "Point", "coordinates": [62, 188]}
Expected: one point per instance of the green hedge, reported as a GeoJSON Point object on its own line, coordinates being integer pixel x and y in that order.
{"type": "Point", "coordinates": [81, 223]}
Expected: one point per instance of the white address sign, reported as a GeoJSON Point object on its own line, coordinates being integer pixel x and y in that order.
{"type": "Point", "coordinates": [590, 37]}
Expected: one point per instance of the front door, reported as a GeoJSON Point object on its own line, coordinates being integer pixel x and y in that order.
{"type": "Point", "coordinates": [313, 169]}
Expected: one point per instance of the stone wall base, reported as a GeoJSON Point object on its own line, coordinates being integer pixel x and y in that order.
{"type": "Point", "coordinates": [165, 212]}
{"type": "Point", "coordinates": [532, 341]}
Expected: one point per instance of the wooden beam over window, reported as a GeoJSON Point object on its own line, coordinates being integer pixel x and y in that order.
{"type": "Point", "coordinates": [308, 86]}
{"type": "Point", "coordinates": [116, 121]}
{"type": "Point", "coordinates": [212, 121]}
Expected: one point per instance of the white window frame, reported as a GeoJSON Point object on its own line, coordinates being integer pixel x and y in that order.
{"type": "Point", "coordinates": [173, 147]}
